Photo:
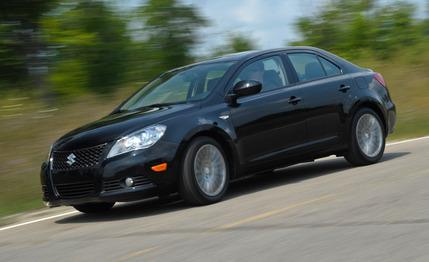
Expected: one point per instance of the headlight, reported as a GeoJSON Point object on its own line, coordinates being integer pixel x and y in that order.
{"type": "Point", "coordinates": [141, 139]}
{"type": "Point", "coordinates": [50, 159]}
{"type": "Point", "coordinates": [49, 155]}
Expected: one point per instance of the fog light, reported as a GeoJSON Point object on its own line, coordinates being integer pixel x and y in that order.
{"type": "Point", "coordinates": [129, 182]}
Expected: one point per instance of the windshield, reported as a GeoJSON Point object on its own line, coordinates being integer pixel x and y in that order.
{"type": "Point", "coordinates": [179, 86]}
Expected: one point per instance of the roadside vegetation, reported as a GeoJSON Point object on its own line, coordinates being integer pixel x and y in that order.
{"type": "Point", "coordinates": [391, 39]}
{"type": "Point", "coordinates": [66, 63]}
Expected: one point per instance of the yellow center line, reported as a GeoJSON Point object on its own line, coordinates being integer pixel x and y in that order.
{"type": "Point", "coordinates": [272, 213]}
{"type": "Point", "coordinates": [136, 254]}
{"type": "Point", "coordinates": [237, 223]}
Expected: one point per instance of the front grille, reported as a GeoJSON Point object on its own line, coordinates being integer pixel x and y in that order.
{"type": "Point", "coordinates": [75, 190]}
{"type": "Point", "coordinates": [118, 184]}
{"type": "Point", "coordinates": [112, 185]}
{"type": "Point", "coordinates": [77, 159]}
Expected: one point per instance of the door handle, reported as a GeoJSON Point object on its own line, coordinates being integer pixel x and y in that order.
{"type": "Point", "coordinates": [344, 88]}
{"type": "Point", "coordinates": [294, 100]}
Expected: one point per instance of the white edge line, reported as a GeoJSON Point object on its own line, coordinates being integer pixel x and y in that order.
{"type": "Point", "coordinates": [407, 141]}
{"type": "Point", "coordinates": [38, 220]}
{"type": "Point", "coordinates": [74, 212]}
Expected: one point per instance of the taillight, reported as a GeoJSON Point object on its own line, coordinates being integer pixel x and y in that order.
{"type": "Point", "coordinates": [380, 79]}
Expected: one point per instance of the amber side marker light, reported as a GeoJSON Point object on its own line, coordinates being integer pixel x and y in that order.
{"type": "Point", "coordinates": [160, 167]}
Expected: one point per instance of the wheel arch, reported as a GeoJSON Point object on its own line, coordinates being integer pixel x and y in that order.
{"type": "Point", "coordinates": [220, 136]}
{"type": "Point", "coordinates": [375, 106]}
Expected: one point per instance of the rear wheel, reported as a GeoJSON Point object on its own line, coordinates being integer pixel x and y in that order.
{"type": "Point", "coordinates": [367, 138]}
{"type": "Point", "coordinates": [94, 208]}
{"type": "Point", "coordinates": [205, 172]}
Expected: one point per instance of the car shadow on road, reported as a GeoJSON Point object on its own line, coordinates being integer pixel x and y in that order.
{"type": "Point", "coordinates": [297, 173]}
{"type": "Point", "coordinates": [288, 175]}
{"type": "Point", "coordinates": [393, 155]}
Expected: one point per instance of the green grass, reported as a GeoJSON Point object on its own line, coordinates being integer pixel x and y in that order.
{"type": "Point", "coordinates": [407, 77]}
{"type": "Point", "coordinates": [27, 128]}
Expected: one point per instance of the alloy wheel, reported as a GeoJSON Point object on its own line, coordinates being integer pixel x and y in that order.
{"type": "Point", "coordinates": [369, 135]}
{"type": "Point", "coordinates": [210, 170]}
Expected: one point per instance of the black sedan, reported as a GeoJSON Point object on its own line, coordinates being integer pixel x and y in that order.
{"type": "Point", "coordinates": [194, 129]}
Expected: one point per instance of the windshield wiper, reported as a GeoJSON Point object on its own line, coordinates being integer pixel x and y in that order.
{"type": "Point", "coordinates": [158, 105]}
{"type": "Point", "coordinates": [149, 106]}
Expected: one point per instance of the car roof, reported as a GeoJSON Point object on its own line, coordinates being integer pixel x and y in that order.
{"type": "Point", "coordinates": [253, 53]}
{"type": "Point", "coordinates": [246, 55]}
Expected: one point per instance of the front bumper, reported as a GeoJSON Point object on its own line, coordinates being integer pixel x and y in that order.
{"type": "Point", "coordinates": [105, 183]}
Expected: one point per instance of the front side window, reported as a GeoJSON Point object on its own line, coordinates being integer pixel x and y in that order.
{"type": "Point", "coordinates": [179, 86]}
{"type": "Point", "coordinates": [269, 72]}
{"type": "Point", "coordinates": [307, 66]}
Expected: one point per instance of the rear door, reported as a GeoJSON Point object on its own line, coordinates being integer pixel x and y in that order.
{"type": "Point", "coordinates": [325, 91]}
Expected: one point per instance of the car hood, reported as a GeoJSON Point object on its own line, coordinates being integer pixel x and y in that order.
{"type": "Point", "coordinates": [115, 126]}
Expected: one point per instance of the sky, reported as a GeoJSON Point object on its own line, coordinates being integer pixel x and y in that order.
{"type": "Point", "coordinates": [267, 22]}
{"type": "Point", "coordinates": [270, 23]}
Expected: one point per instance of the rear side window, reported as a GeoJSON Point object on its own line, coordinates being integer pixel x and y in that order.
{"type": "Point", "coordinates": [330, 68]}
{"type": "Point", "coordinates": [307, 66]}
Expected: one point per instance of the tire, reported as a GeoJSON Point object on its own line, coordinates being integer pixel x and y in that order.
{"type": "Point", "coordinates": [94, 208]}
{"type": "Point", "coordinates": [367, 139]}
{"type": "Point", "coordinates": [205, 172]}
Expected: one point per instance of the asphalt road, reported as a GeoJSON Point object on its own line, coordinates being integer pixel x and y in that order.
{"type": "Point", "coordinates": [321, 211]}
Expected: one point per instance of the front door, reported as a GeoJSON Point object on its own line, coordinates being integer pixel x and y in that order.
{"type": "Point", "coordinates": [270, 123]}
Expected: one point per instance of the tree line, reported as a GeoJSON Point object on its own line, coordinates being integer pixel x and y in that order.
{"type": "Point", "coordinates": [362, 28]}
{"type": "Point", "coordinates": [57, 48]}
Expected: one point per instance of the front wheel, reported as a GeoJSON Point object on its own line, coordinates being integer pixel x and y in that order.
{"type": "Point", "coordinates": [205, 172]}
{"type": "Point", "coordinates": [367, 139]}
{"type": "Point", "coordinates": [94, 208]}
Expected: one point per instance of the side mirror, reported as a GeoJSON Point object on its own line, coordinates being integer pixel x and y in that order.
{"type": "Point", "coordinates": [244, 88]}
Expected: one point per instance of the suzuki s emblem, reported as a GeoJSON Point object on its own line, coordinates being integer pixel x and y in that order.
{"type": "Point", "coordinates": [71, 159]}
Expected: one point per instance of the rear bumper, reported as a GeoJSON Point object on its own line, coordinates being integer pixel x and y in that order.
{"type": "Point", "coordinates": [391, 118]}
{"type": "Point", "coordinates": [105, 183]}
